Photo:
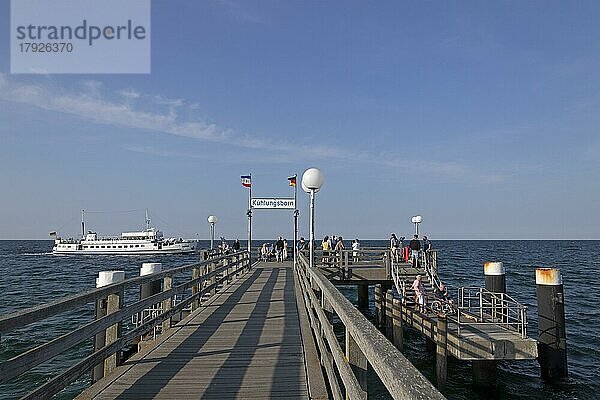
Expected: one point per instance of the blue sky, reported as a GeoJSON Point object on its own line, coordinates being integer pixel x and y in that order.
{"type": "Point", "coordinates": [480, 116]}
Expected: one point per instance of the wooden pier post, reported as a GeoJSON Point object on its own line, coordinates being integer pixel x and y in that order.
{"type": "Point", "coordinates": [398, 336]}
{"type": "Point", "coordinates": [441, 356]}
{"type": "Point", "coordinates": [552, 344]}
{"type": "Point", "coordinates": [358, 362]}
{"type": "Point", "coordinates": [363, 295]}
{"type": "Point", "coordinates": [196, 288]}
{"type": "Point", "coordinates": [150, 288]}
{"type": "Point", "coordinates": [213, 279]}
{"type": "Point", "coordinates": [167, 303]}
{"type": "Point", "coordinates": [389, 327]}
{"type": "Point", "coordinates": [105, 278]}
{"type": "Point", "coordinates": [379, 317]}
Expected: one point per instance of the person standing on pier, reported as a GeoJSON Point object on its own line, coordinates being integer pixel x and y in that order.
{"type": "Point", "coordinates": [279, 250]}
{"type": "Point", "coordinates": [236, 245]}
{"type": "Point", "coordinates": [355, 250]}
{"type": "Point", "coordinates": [395, 247]}
{"type": "Point", "coordinates": [285, 249]}
{"type": "Point", "coordinates": [415, 247]}
{"type": "Point", "coordinates": [419, 289]}
{"type": "Point", "coordinates": [302, 245]}
{"type": "Point", "coordinates": [339, 248]}
{"type": "Point", "coordinates": [326, 247]}
{"type": "Point", "coordinates": [426, 244]}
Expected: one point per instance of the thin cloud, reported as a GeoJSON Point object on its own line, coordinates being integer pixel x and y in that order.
{"type": "Point", "coordinates": [109, 109]}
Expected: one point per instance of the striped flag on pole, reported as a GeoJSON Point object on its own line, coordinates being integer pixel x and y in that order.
{"type": "Point", "coordinates": [246, 181]}
{"type": "Point", "coordinates": [292, 180]}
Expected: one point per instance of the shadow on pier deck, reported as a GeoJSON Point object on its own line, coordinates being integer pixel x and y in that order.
{"type": "Point", "coordinates": [245, 342]}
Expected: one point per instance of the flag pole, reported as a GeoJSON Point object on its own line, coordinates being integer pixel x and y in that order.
{"type": "Point", "coordinates": [295, 220]}
{"type": "Point", "coordinates": [250, 221]}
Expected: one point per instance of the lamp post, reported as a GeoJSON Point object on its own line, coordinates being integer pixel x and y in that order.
{"type": "Point", "coordinates": [312, 181]}
{"type": "Point", "coordinates": [417, 219]}
{"type": "Point", "coordinates": [212, 220]}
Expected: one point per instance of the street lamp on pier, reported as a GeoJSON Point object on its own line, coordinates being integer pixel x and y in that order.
{"type": "Point", "coordinates": [212, 220]}
{"type": "Point", "coordinates": [312, 181]}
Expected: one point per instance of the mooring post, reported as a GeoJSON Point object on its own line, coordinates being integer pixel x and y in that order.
{"type": "Point", "coordinates": [358, 362]}
{"type": "Point", "coordinates": [167, 303]}
{"type": "Point", "coordinates": [389, 327]}
{"type": "Point", "coordinates": [552, 344]}
{"type": "Point", "coordinates": [105, 278]}
{"type": "Point", "coordinates": [441, 356]}
{"type": "Point", "coordinates": [398, 336]}
{"type": "Point", "coordinates": [150, 288]}
{"type": "Point", "coordinates": [363, 295]}
{"type": "Point", "coordinates": [379, 318]}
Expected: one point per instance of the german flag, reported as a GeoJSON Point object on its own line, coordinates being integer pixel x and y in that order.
{"type": "Point", "coordinates": [292, 180]}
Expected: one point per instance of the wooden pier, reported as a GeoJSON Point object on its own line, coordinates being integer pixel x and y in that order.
{"type": "Point", "coordinates": [244, 342]}
{"type": "Point", "coordinates": [226, 328]}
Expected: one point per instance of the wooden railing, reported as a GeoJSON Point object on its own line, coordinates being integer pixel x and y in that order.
{"type": "Point", "coordinates": [365, 347]}
{"type": "Point", "coordinates": [206, 277]}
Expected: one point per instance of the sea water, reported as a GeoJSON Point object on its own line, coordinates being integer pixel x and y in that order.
{"type": "Point", "coordinates": [31, 275]}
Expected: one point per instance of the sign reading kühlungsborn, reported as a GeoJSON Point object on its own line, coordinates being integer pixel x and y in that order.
{"type": "Point", "coordinates": [273, 203]}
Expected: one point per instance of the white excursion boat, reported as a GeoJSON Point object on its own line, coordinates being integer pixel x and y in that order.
{"type": "Point", "coordinates": [148, 241]}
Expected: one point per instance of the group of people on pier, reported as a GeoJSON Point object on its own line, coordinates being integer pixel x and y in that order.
{"type": "Point", "coordinates": [278, 250]}
{"type": "Point", "coordinates": [410, 252]}
{"type": "Point", "coordinates": [333, 247]}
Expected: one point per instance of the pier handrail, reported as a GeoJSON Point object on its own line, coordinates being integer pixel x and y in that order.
{"type": "Point", "coordinates": [364, 344]}
{"type": "Point", "coordinates": [200, 284]}
{"type": "Point", "coordinates": [477, 306]}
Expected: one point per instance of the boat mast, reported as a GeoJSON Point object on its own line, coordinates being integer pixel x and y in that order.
{"type": "Point", "coordinates": [83, 223]}
{"type": "Point", "coordinates": [147, 221]}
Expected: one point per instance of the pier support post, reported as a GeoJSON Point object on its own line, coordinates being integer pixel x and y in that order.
{"type": "Point", "coordinates": [484, 372]}
{"type": "Point", "coordinates": [196, 288]}
{"type": "Point", "coordinates": [398, 336]}
{"type": "Point", "coordinates": [363, 295]}
{"type": "Point", "coordinates": [213, 279]}
{"type": "Point", "coordinates": [389, 299]}
{"type": "Point", "coordinates": [358, 362]}
{"type": "Point", "coordinates": [552, 344]}
{"type": "Point", "coordinates": [226, 272]}
{"type": "Point", "coordinates": [379, 318]}
{"type": "Point", "coordinates": [441, 356]}
{"type": "Point", "coordinates": [167, 303]}
{"type": "Point", "coordinates": [105, 278]}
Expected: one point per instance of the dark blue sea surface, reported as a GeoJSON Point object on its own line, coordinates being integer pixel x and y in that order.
{"type": "Point", "coordinates": [31, 275]}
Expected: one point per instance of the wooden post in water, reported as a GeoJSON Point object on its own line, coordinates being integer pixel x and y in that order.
{"type": "Point", "coordinates": [552, 344]}
{"type": "Point", "coordinates": [379, 317]}
{"type": "Point", "coordinates": [441, 357]}
{"type": "Point", "coordinates": [167, 303]}
{"type": "Point", "coordinates": [398, 336]}
{"type": "Point", "coordinates": [363, 295]}
{"type": "Point", "coordinates": [389, 327]}
{"type": "Point", "coordinates": [105, 278]}
{"type": "Point", "coordinates": [358, 362]}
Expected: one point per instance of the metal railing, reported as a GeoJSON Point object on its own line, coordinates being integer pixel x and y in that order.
{"type": "Point", "coordinates": [365, 346]}
{"type": "Point", "coordinates": [206, 277]}
{"type": "Point", "coordinates": [477, 306]}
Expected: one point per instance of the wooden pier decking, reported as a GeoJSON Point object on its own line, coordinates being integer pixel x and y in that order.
{"type": "Point", "coordinates": [245, 342]}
